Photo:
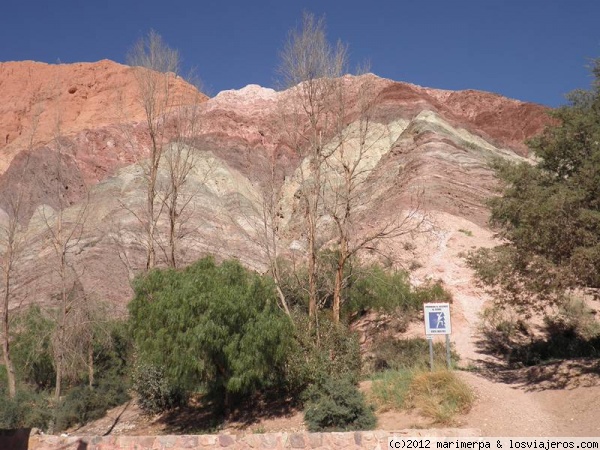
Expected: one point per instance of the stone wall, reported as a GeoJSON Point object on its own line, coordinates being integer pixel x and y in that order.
{"type": "Point", "coordinates": [309, 441]}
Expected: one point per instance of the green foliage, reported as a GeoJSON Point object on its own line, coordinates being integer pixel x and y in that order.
{"type": "Point", "coordinates": [549, 213]}
{"type": "Point", "coordinates": [32, 354]}
{"type": "Point", "coordinates": [31, 348]}
{"type": "Point", "coordinates": [383, 291]}
{"type": "Point", "coordinates": [212, 326]}
{"type": "Point", "coordinates": [390, 389]}
{"type": "Point", "coordinates": [399, 354]}
{"type": "Point", "coordinates": [83, 404]}
{"type": "Point", "coordinates": [27, 409]}
{"type": "Point", "coordinates": [325, 351]}
{"type": "Point", "coordinates": [337, 405]}
{"type": "Point", "coordinates": [390, 292]}
{"type": "Point", "coordinates": [156, 393]}
{"type": "Point", "coordinates": [438, 395]}
{"type": "Point", "coordinates": [113, 351]}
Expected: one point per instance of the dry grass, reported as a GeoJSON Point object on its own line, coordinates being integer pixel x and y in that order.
{"type": "Point", "coordinates": [439, 395]}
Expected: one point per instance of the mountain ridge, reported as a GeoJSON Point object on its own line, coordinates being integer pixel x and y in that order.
{"type": "Point", "coordinates": [438, 141]}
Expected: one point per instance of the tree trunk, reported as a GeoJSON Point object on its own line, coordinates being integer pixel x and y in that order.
{"type": "Point", "coordinates": [339, 278]}
{"type": "Point", "coordinates": [337, 292]}
{"type": "Point", "coordinates": [10, 368]}
{"type": "Point", "coordinates": [312, 271]}
{"type": "Point", "coordinates": [173, 229]}
{"type": "Point", "coordinates": [91, 364]}
{"type": "Point", "coordinates": [60, 350]}
{"type": "Point", "coordinates": [150, 254]}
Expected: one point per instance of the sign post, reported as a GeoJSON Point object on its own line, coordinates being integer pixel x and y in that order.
{"type": "Point", "coordinates": [437, 321]}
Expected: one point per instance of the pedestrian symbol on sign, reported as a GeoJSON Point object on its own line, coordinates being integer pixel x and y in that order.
{"type": "Point", "coordinates": [437, 320]}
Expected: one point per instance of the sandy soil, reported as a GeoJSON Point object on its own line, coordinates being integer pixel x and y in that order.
{"type": "Point", "coordinates": [556, 400]}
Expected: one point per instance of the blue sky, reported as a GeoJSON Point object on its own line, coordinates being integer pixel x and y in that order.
{"type": "Point", "coordinates": [534, 50]}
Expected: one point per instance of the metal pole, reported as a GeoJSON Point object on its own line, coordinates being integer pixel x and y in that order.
{"type": "Point", "coordinates": [429, 338]}
{"type": "Point", "coordinates": [448, 360]}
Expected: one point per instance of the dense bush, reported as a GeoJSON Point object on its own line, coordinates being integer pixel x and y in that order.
{"type": "Point", "coordinates": [31, 348]}
{"type": "Point", "coordinates": [326, 350]}
{"type": "Point", "coordinates": [548, 213]}
{"type": "Point", "coordinates": [34, 364]}
{"type": "Point", "coordinates": [390, 292]}
{"type": "Point", "coordinates": [83, 404]}
{"type": "Point", "coordinates": [155, 392]}
{"type": "Point", "coordinates": [366, 287]}
{"type": "Point", "coordinates": [210, 326]}
{"type": "Point", "coordinates": [337, 405]}
{"type": "Point", "coordinates": [27, 409]}
{"type": "Point", "coordinates": [374, 288]}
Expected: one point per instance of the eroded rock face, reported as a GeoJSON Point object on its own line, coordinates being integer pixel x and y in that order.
{"type": "Point", "coordinates": [431, 141]}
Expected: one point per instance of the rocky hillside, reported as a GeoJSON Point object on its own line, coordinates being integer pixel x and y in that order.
{"type": "Point", "coordinates": [429, 140]}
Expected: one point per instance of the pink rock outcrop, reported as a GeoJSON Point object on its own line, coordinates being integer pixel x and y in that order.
{"type": "Point", "coordinates": [442, 145]}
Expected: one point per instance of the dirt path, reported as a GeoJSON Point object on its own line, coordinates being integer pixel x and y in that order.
{"type": "Point", "coordinates": [510, 404]}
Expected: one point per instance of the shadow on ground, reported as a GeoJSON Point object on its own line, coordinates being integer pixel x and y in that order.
{"type": "Point", "coordinates": [560, 360]}
{"type": "Point", "coordinates": [202, 417]}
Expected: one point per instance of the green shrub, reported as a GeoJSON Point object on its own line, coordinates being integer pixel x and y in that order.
{"type": "Point", "coordinates": [83, 404]}
{"type": "Point", "coordinates": [388, 352]}
{"type": "Point", "coordinates": [337, 405]}
{"type": "Point", "coordinates": [155, 392]}
{"type": "Point", "coordinates": [377, 289]}
{"type": "Point", "coordinates": [329, 350]}
{"type": "Point", "coordinates": [28, 409]}
{"type": "Point", "coordinates": [433, 292]}
{"type": "Point", "coordinates": [373, 288]}
{"type": "Point", "coordinates": [31, 348]}
{"type": "Point", "coordinates": [212, 327]}
{"type": "Point", "coordinates": [390, 389]}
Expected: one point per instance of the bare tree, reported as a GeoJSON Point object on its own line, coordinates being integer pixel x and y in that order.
{"type": "Point", "coordinates": [12, 238]}
{"type": "Point", "coordinates": [86, 328]}
{"type": "Point", "coordinates": [266, 226]}
{"type": "Point", "coordinates": [311, 67]}
{"type": "Point", "coordinates": [63, 234]}
{"type": "Point", "coordinates": [351, 163]}
{"type": "Point", "coordinates": [328, 120]}
{"type": "Point", "coordinates": [12, 244]}
{"type": "Point", "coordinates": [155, 66]}
{"type": "Point", "coordinates": [180, 161]}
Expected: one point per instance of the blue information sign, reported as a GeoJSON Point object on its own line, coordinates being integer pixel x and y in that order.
{"type": "Point", "coordinates": [437, 318]}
